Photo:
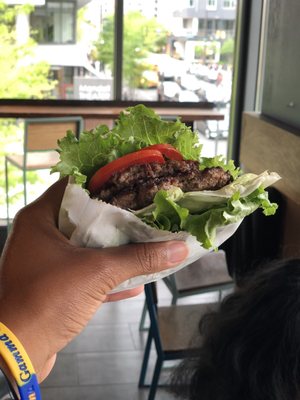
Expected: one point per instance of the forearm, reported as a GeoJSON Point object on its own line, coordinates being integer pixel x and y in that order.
{"type": "Point", "coordinates": [24, 327]}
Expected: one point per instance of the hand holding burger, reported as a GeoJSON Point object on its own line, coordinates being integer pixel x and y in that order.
{"type": "Point", "coordinates": [50, 288]}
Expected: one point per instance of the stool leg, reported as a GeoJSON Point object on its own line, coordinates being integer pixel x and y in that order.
{"type": "Point", "coordinates": [143, 317]}
{"type": "Point", "coordinates": [145, 361]}
{"type": "Point", "coordinates": [155, 379]}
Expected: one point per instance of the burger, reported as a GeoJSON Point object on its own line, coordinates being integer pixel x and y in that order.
{"type": "Point", "coordinates": [154, 169]}
{"type": "Point", "coordinates": [132, 181]}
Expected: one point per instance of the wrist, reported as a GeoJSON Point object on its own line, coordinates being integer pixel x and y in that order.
{"type": "Point", "coordinates": [17, 365]}
{"type": "Point", "coordinates": [26, 328]}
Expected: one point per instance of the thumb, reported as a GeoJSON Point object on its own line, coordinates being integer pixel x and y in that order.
{"type": "Point", "coordinates": [116, 265]}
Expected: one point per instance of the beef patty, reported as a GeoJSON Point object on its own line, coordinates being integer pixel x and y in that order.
{"type": "Point", "coordinates": [136, 186]}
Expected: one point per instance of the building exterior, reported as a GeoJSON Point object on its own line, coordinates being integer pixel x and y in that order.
{"type": "Point", "coordinates": [207, 19]}
{"type": "Point", "coordinates": [65, 35]}
{"type": "Point", "coordinates": [162, 10]}
{"type": "Point", "coordinates": [205, 23]}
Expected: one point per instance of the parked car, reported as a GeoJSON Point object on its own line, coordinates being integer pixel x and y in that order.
{"type": "Point", "coordinates": [192, 83]}
{"type": "Point", "coordinates": [187, 96]}
{"type": "Point", "coordinates": [219, 95]}
{"type": "Point", "coordinates": [168, 91]}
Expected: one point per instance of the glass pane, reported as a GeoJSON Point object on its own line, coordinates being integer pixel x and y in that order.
{"type": "Point", "coordinates": [35, 64]}
{"type": "Point", "coordinates": [67, 15]}
{"type": "Point", "coordinates": [70, 54]}
{"type": "Point", "coordinates": [181, 51]}
{"type": "Point", "coordinates": [54, 22]}
{"type": "Point", "coordinates": [93, 80]}
{"type": "Point", "coordinates": [77, 44]}
{"type": "Point", "coordinates": [38, 26]}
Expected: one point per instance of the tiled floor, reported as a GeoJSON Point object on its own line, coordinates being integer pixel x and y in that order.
{"type": "Point", "coordinates": [104, 361]}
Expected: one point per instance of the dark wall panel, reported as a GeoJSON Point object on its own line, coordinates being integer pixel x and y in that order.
{"type": "Point", "coordinates": [281, 94]}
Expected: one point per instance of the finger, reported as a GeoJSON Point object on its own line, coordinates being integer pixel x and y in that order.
{"type": "Point", "coordinates": [49, 202]}
{"type": "Point", "coordinates": [112, 266]}
{"type": "Point", "coordinates": [124, 294]}
{"type": "Point", "coordinates": [44, 212]}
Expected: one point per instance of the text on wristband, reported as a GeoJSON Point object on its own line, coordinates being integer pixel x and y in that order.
{"type": "Point", "coordinates": [25, 374]}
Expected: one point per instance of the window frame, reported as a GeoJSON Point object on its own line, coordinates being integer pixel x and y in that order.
{"type": "Point", "coordinates": [211, 7]}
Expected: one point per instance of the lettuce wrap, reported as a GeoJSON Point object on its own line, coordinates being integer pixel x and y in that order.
{"type": "Point", "coordinates": [205, 219]}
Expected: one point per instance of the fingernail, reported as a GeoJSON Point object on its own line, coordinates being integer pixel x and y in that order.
{"type": "Point", "coordinates": [177, 252]}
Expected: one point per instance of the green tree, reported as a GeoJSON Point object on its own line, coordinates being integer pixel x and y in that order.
{"type": "Point", "coordinates": [83, 24]}
{"type": "Point", "coordinates": [199, 51]}
{"type": "Point", "coordinates": [227, 50]}
{"type": "Point", "coordinates": [141, 36]}
{"type": "Point", "coordinates": [21, 78]}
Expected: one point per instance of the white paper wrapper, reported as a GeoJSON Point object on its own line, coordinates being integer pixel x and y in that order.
{"type": "Point", "coordinates": [93, 223]}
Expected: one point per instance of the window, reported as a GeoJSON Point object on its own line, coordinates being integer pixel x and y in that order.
{"type": "Point", "coordinates": [54, 23]}
{"type": "Point", "coordinates": [210, 24]}
{"type": "Point", "coordinates": [170, 54]}
{"type": "Point", "coordinates": [229, 4]}
{"type": "Point", "coordinates": [201, 24]}
{"type": "Point", "coordinates": [211, 5]}
{"type": "Point", "coordinates": [186, 23]}
{"type": "Point", "coordinates": [160, 42]}
{"type": "Point", "coordinates": [229, 25]}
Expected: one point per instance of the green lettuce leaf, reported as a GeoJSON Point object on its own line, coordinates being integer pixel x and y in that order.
{"type": "Point", "coordinates": [168, 215]}
{"type": "Point", "coordinates": [135, 128]}
{"type": "Point", "coordinates": [143, 126]}
{"type": "Point", "coordinates": [220, 161]}
{"type": "Point", "coordinates": [197, 202]}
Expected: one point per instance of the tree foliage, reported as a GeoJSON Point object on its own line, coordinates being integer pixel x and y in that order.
{"type": "Point", "coordinates": [227, 50]}
{"type": "Point", "coordinates": [141, 36]}
{"type": "Point", "coordinates": [21, 78]}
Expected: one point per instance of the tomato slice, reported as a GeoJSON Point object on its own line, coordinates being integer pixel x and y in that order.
{"type": "Point", "coordinates": [138, 157]}
{"type": "Point", "coordinates": [167, 150]}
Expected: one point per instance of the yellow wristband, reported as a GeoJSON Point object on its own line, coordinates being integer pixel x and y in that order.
{"type": "Point", "coordinates": [19, 364]}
